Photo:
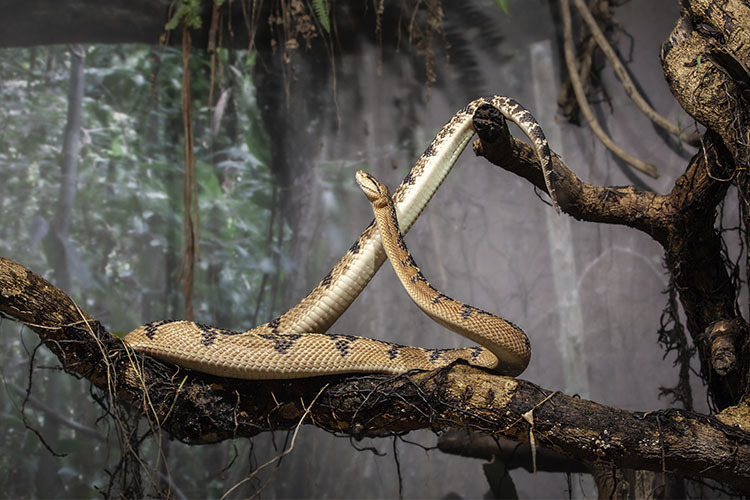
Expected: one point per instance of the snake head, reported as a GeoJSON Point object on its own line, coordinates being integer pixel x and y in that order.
{"type": "Point", "coordinates": [376, 191]}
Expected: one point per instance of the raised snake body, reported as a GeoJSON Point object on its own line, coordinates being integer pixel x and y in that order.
{"type": "Point", "coordinates": [294, 345]}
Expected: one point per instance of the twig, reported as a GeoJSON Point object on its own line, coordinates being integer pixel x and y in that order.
{"type": "Point", "coordinates": [90, 432]}
{"type": "Point", "coordinates": [283, 453]}
{"type": "Point", "coordinates": [627, 82]}
{"type": "Point", "coordinates": [575, 82]}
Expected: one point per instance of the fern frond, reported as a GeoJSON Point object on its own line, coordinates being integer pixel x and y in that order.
{"type": "Point", "coordinates": [321, 12]}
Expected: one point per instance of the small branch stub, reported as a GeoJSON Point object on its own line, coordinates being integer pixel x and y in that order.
{"type": "Point", "coordinates": [723, 336]}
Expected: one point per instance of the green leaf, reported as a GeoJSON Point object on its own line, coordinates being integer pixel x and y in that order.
{"type": "Point", "coordinates": [189, 12]}
{"type": "Point", "coordinates": [501, 484]}
{"type": "Point", "coordinates": [503, 5]}
{"type": "Point", "coordinates": [321, 12]}
{"type": "Point", "coordinates": [175, 20]}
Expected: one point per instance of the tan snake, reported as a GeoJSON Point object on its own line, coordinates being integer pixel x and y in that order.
{"type": "Point", "coordinates": [295, 344]}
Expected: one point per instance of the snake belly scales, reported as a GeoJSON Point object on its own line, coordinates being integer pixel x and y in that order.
{"type": "Point", "coordinates": [295, 344]}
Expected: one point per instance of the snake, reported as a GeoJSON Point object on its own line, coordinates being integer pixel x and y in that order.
{"type": "Point", "coordinates": [297, 344]}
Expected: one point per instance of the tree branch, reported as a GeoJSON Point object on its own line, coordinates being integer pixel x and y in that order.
{"type": "Point", "coordinates": [681, 221]}
{"type": "Point", "coordinates": [627, 83]}
{"type": "Point", "coordinates": [583, 104]}
{"type": "Point", "coordinates": [197, 408]}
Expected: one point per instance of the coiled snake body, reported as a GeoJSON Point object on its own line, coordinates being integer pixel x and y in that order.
{"type": "Point", "coordinates": [294, 345]}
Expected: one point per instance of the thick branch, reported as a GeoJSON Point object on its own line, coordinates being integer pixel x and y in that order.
{"type": "Point", "coordinates": [681, 221]}
{"type": "Point", "coordinates": [197, 408]}
{"type": "Point", "coordinates": [705, 64]}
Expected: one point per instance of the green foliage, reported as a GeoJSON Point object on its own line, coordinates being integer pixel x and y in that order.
{"type": "Point", "coordinates": [321, 12]}
{"type": "Point", "coordinates": [126, 238]}
{"type": "Point", "coordinates": [189, 12]}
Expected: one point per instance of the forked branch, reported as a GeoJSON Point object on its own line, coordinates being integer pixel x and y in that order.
{"type": "Point", "coordinates": [682, 221]}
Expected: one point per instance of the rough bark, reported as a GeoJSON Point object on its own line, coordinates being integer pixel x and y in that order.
{"type": "Point", "coordinates": [681, 221]}
{"type": "Point", "coordinates": [197, 408]}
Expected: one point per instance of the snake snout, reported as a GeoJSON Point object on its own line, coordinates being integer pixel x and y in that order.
{"type": "Point", "coordinates": [372, 188]}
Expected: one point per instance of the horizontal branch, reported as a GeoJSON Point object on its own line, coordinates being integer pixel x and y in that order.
{"type": "Point", "coordinates": [199, 409]}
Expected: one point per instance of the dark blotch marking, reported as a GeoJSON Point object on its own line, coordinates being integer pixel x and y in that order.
{"type": "Point", "coordinates": [430, 151]}
{"type": "Point", "coordinates": [326, 282]}
{"type": "Point", "coordinates": [538, 134]}
{"type": "Point", "coordinates": [409, 179]}
{"type": "Point", "coordinates": [343, 345]}
{"type": "Point", "coordinates": [525, 117]}
{"type": "Point", "coordinates": [514, 106]}
{"type": "Point", "coordinates": [208, 333]}
{"type": "Point", "coordinates": [410, 262]}
{"type": "Point", "coordinates": [394, 217]}
{"type": "Point", "coordinates": [418, 277]}
{"type": "Point", "coordinates": [354, 248]}
{"type": "Point", "coordinates": [153, 327]}
{"type": "Point", "coordinates": [435, 355]}
{"type": "Point", "coordinates": [393, 351]}
{"type": "Point", "coordinates": [402, 243]}
{"type": "Point", "coordinates": [282, 342]}
{"type": "Point", "coordinates": [440, 296]}
{"type": "Point", "coordinates": [667, 47]}
{"type": "Point", "coordinates": [274, 325]}
{"type": "Point", "coordinates": [467, 311]}
{"type": "Point", "coordinates": [350, 338]}
{"type": "Point", "coordinates": [476, 352]}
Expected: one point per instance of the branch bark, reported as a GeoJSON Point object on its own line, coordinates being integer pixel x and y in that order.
{"type": "Point", "coordinates": [681, 221]}
{"type": "Point", "coordinates": [198, 409]}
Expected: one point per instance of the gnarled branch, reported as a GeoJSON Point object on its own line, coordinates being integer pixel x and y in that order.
{"type": "Point", "coordinates": [681, 221]}
{"type": "Point", "coordinates": [197, 408]}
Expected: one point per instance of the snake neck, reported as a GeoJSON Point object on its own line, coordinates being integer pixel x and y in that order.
{"type": "Point", "coordinates": [346, 280]}
{"type": "Point", "coordinates": [506, 341]}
